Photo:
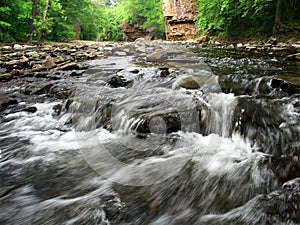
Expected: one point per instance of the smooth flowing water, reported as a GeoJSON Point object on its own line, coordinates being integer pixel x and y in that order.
{"type": "Point", "coordinates": [205, 136]}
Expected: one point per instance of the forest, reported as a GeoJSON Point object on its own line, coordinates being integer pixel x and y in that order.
{"type": "Point", "coordinates": [66, 20]}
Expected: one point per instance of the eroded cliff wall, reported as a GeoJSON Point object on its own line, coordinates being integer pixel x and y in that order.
{"type": "Point", "coordinates": [179, 16]}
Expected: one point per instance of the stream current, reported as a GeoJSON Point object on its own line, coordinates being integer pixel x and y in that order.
{"type": "Point", "coordinates": [193, 136]}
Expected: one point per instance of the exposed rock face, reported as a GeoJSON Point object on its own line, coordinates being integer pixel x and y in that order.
{"type": "Point", "coordinates": [135, 31]}
{"type": "Point", "coordinates": [179, 17]}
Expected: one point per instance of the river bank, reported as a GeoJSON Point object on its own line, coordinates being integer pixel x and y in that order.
{"type": "Point", "coordinates": [17, 60]}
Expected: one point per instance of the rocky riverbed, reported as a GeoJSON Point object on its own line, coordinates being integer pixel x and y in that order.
{"type": "Point", "coordinates": [150, 132]}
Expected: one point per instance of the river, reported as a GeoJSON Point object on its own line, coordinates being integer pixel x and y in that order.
{"type": "Point", "coordinates": [184, 136]}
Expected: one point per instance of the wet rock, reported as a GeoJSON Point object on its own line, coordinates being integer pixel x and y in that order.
{"type": "Point", "coordinates": [38, 90]}
{"type": "Point", "coordinates": [163, 113]}
{"type": "Point", "coordinates": [293, 57]}
{"type": "Point", "coordinates": [76, 73]}
{"type": "Point", "coordinates": [114, 208]}
{"type": "Point", "coordinates": [189, 83]}
{"type": "Point", "coordinates": [160, 124]}
{"type": "Point", "coordinates": [31, 109]}
{"type": "Point", "coordinates": [5, 103]}
{"type": "Point", "coordinates": [16, 72]}
{"type": "Point", "coordinates": [135, 71]}
{"type": "Point", "coordinates": [205, 82]}
{"type": "Point", "coordinates": [164, 72]}
{"type": "Point", "coordinates": [60, 92]}
{"type": "Point", "coordinates": [57, 109]}
{"type": "Point", "coordinates": [5, 77]}
{"type": "Point", "coordinates": [41, 74]}
{"type": "Point", "coordinates": [118, 81]}
{"type": "Point", "coordinates": [286, 167]}
{"type": "Point", "coordinates": [287, 87]}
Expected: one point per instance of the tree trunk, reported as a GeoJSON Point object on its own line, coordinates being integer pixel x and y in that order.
{"type": "Point", "coordinates": [277, 22]}
{"type": "Point", "coordinates": [292, 13]}
{"type": "Point", "coordinates": [44, 18]}
{"type": "Point", "coordinates": [31, 24]}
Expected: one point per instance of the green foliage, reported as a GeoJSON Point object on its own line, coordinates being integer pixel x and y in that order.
{"type": "Point", "coordinates": [236, 17]}
{"type": "Point", "coordinates": [14, 20]}
{"type": "Point", "coordinates": [109, 27]}
{"type": "Point", "coordinates": [147, 13]}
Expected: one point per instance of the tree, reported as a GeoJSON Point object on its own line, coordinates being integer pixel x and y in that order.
{"type": "Point", "coordinates": [285, 16]}
{"type": "Point", "coordinates": [236, 17]}
{"type": "Point", "coordinates": [33, 16]}
{"type": "Point", "coordinates": [14, 20]}
{"type": "Point", "coordinates": [147, 13]}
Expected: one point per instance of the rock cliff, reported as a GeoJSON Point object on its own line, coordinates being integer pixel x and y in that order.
{"type": "Point", "coordinates": [179, 16]}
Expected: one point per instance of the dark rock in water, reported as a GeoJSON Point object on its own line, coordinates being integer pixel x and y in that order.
{"type": "Point", "coordinates": [31, 109]}
{"type": "Point", "coordinates": [287, 167]}
{"type": "Point", "coordinates": [75, 73]}
{"type": "Point", "coordinates": [60, 92]}
{"type": "Point", "coordinates": [118, 81]}
{"type": "Point", "coordinates": [287, 87]}
{"type": "Point", "coordinates": [57, 109]}
{"type": "Point", "coordinates": [50, 89]}
{"type": "Point", "coordinates": [41, 74]}
{"type": "Point", "coordinates": [164, 124]}
{"type": "Point", "coordinates": [113, 208]}
{"type": "Point", "coordinates": [44, 90]}
{"type": "Point", "coordinates": [135, 71]}
{"type": "Point", "coordinates": [163, 113]}
{"type": "Point", "coordinates": [164, 72]}
{"type": "Point", "coordinates": [6, 103]}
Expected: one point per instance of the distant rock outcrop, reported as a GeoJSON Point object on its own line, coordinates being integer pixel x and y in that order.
{"type": "Point", "coordinates": [179, 16]}
{"type": "Point", "coordinates": [135, 31]}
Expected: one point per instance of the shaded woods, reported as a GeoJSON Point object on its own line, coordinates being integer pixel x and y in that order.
{"type": "Point", "coordinates": [65, 20]}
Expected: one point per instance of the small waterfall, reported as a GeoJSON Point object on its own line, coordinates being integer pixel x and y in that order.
{"type": "Point", "coordinates": [220, 116]}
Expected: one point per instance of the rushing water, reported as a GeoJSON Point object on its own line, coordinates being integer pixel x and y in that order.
{"type": "Point", "coordinates": [208, 136]}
